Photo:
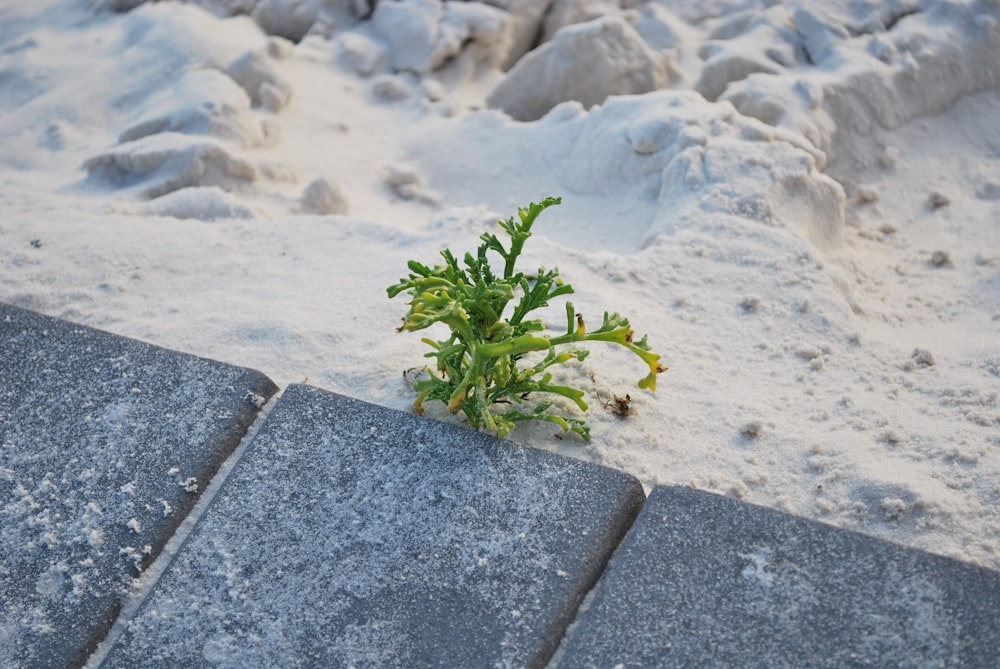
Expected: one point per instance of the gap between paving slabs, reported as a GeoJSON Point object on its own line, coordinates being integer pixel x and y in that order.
{"type": "Point", "coordinates": [106, 443]}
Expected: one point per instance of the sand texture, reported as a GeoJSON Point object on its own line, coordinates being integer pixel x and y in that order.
{"type": "Point", "coordinates": [799, 202]}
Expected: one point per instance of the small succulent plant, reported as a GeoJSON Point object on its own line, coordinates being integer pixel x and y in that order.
{"type": "Point", "coordinates": [480, 368]}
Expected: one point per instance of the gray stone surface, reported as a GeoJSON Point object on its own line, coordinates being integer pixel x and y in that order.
{"type": "Point", "coordinates": [351, 535]}
{"type": "Point", "coordinates": [707, 581]}
{"type": "Point", "coordinates": [105, 444]}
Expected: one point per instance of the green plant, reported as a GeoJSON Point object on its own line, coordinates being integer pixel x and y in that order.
{"type": "Point", "coordinates": [478, 367]}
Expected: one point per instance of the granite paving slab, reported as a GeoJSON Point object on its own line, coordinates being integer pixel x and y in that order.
{"type": "Point", "coordinates": [708, 581]}
{"type": "Point", "coordinates": [351, 535]}
{"type": "Point", "coordinates": [105, 445]}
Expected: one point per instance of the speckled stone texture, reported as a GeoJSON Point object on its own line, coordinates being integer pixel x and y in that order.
{"type": "Point", "coordinates": [708, 581]}
{"type": "Point", "coordinates": [350, 535]}
{"type": "Point", "coordinates": [105, 445]}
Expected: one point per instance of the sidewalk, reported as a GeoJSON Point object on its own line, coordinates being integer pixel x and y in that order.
{"type": "Point", "coordinates": [351, 535]}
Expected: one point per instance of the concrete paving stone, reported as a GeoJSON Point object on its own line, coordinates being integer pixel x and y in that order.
{"type": "Point", "coordinates": [351, 535]}
{"type": "Point", "coordinates": [707, 581]}
{"type": "Point", "coordinates": [105, 445]}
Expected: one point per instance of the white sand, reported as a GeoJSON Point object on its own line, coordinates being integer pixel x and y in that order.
{"type": "Point", "coordinates": [800, 204]}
